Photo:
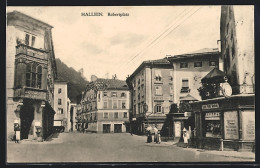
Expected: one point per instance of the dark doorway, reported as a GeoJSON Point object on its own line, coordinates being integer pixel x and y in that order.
{"type": "Point", "coordinates": [118, 128]}
{"type": "Point", "coordinates": [106, 128]}
{"type": "Point", "coordinates": [27, 116]}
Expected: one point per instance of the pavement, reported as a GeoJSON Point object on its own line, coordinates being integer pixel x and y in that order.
{"type": "Point", "coordinates": [122, 147]}
{"type": "Point", "coordinates": [234, 154]}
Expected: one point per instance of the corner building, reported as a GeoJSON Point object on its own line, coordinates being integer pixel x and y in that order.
{"type": "Point", "coordinates": [105, 106]}
{"type": "Point", "coordinates": [151, 85]}
{"type": "Point", "coordinates": [30, 74]}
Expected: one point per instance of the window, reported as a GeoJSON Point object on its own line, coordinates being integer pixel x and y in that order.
{"type": "Point", "coordinates": [213, 63]}
{"type": "Point", "coordinates": [59, 90]}
{"type": "Point", "coordinates": [134, 110]}
{"type": "Point", "coordinates": [184, 65]}
{"type": "Point", "coordinates": [212, 123]}
{"type": "Point", "coordinates": [123, 105]}
{"type": "Point", "coordinates": [158, 75]}
{"type": "Point", "coordinates": [105, 115]}
{"type": "Point", "coordinates": [158, 90]}
{"type": "Point", "coordinates": [59, 101]}
{"type": "Point", "coordinates": [185, 86]}
{"type": "Point", "coordinates": [60, 111]}
{"type": "Point", "coordinates": [158, 109]}
{"type": "Point", "coordinates": [115, 114]}
{"type": "Point", "coordinates": [27, 40]}
{"type": "Point", "coordinates": [171, 76]}
{"type": "Point", "coordinates": [105, 94]}
{"type": "Point", "coordinates": [33, 75]}
{"type": "Point", "coordinates": [198, 64]}
{"type": "Point", "coordinates": [115, 105]}
{"type": "Point", "coordinates": [139, 107]}
{"type": "Point", "coordinates": [125, 114]}
{"type": "Point", "coordinates": [114, 94]}
{"type": "Point", "coordinates": [123, 94]}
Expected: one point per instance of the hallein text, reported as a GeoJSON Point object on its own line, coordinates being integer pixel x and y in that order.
{"type": "Point", "coordinates": [101, 14]}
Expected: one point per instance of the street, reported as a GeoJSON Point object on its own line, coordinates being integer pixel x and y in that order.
{"type": "Point", "coordinates": [91, 147]}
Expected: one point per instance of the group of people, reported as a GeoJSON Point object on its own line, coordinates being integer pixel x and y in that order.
{"type": "Point", "coordinates": [157, 136]}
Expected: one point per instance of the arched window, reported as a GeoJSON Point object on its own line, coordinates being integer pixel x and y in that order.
{"type": "Point", "coordinates": [33, 75]}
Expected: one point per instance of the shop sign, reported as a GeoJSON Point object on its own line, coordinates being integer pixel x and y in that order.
{"type": "Point", "coordinates": [134, 119]}
{"type": "Point", "coordinates": [248, 127]}
{"type": "Point", "coordinates": [231, 125]}
{"type": "Point", "coordinates": [187, 114]}
{"type": "Point", "coordinates": [212, 116]}
{"type": "Point", "coordinates": [210, 106]}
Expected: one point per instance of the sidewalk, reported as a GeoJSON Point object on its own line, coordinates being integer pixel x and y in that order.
{"type": "Point", "coordinates": [235, 154]}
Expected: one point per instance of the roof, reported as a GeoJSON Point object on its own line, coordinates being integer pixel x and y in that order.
{"type": "Point", "coordinates": [188, 98]}
{"type": "Point", "coordinates": [19, 14]}
{"type": "Point", "coordinates": [201, 52]}
{"type": "Point", "coordinates": [163, 62]}
{"type": "Point", "coordinates": [111, 84]}
{"type": "Point", "coordinates": [215, 75]}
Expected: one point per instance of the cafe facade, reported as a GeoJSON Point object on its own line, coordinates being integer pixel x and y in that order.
{"type": "Point", "coordinates": [225, 123]}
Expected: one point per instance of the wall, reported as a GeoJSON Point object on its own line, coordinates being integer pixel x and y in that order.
{"type": "Point", "coordinates": [193, 74]}
{"type": "Point", "coordinates": [237, 46]}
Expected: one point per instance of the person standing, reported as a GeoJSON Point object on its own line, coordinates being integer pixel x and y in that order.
{"type": "Point", "coordinates": [155, 134]}
{"type": "Point", "coordinates": [186, 138]}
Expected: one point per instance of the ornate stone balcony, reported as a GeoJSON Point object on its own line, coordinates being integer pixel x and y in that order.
{"type": "Point", "coordinates": [22, 49]}
{"type": "Point", "coordinates": [30, 93]}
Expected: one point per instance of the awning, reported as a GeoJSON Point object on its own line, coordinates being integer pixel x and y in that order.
{"type": "Point", "coordinates": [214, 76]}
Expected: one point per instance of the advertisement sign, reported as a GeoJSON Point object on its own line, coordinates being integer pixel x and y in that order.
{"type": "Point", "coordinates": [248, 125]}
{"type": "Point", "coordinates": [231, 125]}
{"type": "Point", "coordinates": [212, 116]}
{"type": "Point", "coordinates": [210, 106]}
{"type": "Point", "coordinates": [177, 128]}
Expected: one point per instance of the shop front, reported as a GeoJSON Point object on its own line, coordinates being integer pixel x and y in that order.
{"type": "Point", "coordinates": [225, 123]}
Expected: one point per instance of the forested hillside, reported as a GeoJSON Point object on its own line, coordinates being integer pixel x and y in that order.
{"type": "Point", "coordinates": [76, 83]}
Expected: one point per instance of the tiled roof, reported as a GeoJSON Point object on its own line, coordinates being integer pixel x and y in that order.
{"type": "Point", "coordinates": [203, 51]}
{"type": "Point", "coordinates": [158, 61]}
{"type": "Point", "coordinates": [112, 84]}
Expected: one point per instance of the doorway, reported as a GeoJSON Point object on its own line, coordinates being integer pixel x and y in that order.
{"type": "Point", "coordinates": [26, 116]}
{"type": "Point", "coordinates": [117, 128]}
{"type": "Point", "coordinates": [106, 128]}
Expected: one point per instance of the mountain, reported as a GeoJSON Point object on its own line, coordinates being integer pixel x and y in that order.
{"type": "Point", "coordinates": [76, 83]}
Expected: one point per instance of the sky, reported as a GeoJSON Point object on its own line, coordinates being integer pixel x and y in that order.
{"type": "Point", "coordinates": [107, 45]}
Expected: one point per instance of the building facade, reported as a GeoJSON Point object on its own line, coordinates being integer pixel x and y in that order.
{"type": "Point", "coordinates": [229, 122]}
{"type": "Point", "coordinates": [105, 106]}
{"type": "Point", "coordinates": [152, 94]}
{"type": "Point", "coordinates": [61, 105]}
{"type": "Point", "coordinates": [30, 74]}
{"type": "Point", "coordinates": [188, 69]}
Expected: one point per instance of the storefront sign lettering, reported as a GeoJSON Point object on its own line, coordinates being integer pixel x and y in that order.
{"type": "Point", "coordinates": [212, 116]}
{"type": "Point", "coordinates": [210, 106]}
{"type": "Point", "coordinates": [231, 125]}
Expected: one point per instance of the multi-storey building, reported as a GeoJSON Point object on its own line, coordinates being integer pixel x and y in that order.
{"type": "Point", "coordinates": [30, 74]}
{"type": "Point", "coordinates": [61, 105]}
{"type": "Point", "coordinates": [229, 122]}
{"type": "Point", "coordinates": [152, 94]}
{"type": "Point", "coordinates": [188, 70]}
{"type": "Point", "coordinates": [105, 106]}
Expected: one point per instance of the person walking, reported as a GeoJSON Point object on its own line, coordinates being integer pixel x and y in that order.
{"type": "Point", "coordinates": [155, 134]}
{"type": "Point", "coordinates": [186, 138]}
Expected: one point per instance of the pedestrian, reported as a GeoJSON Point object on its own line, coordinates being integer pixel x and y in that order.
{"type": "Point", "coordinates": [17, 136]}
{"type": "Point", "coordinates": [159, 137]}
{"type": "Point", "coordinates": [83, 129]}
{"type": "Point", "coordinates": [155, 134]}
{"type": "Point", "coordinates": [149, 136]}
{"type": "Point", "coordinates": [186, 138]}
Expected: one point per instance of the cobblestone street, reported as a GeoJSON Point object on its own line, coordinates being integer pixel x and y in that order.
{"type": "Point", "coordinates": [91, 147]}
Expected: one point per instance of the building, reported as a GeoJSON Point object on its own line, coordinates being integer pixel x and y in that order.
{"type": "Point", "coordinates": [61, 105]}
{"type": "Point", "coordinates": [229, 122]}
{"type": "Point", "coordinates": [105, 106]}
{"type": "Point", "coordinates": [188, 69]}
{"type": "Point", "coordinates": [152, 94]}
{"type": "Point", "coordinates": [30, 74]}
{"type": "Point", "coordinates": [73, 117]}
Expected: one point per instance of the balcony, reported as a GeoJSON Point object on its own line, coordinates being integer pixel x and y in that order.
{"type": "Point", "coordinates": [22, 49]}
{"type": "Point", "coordinates": [30, 93]}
